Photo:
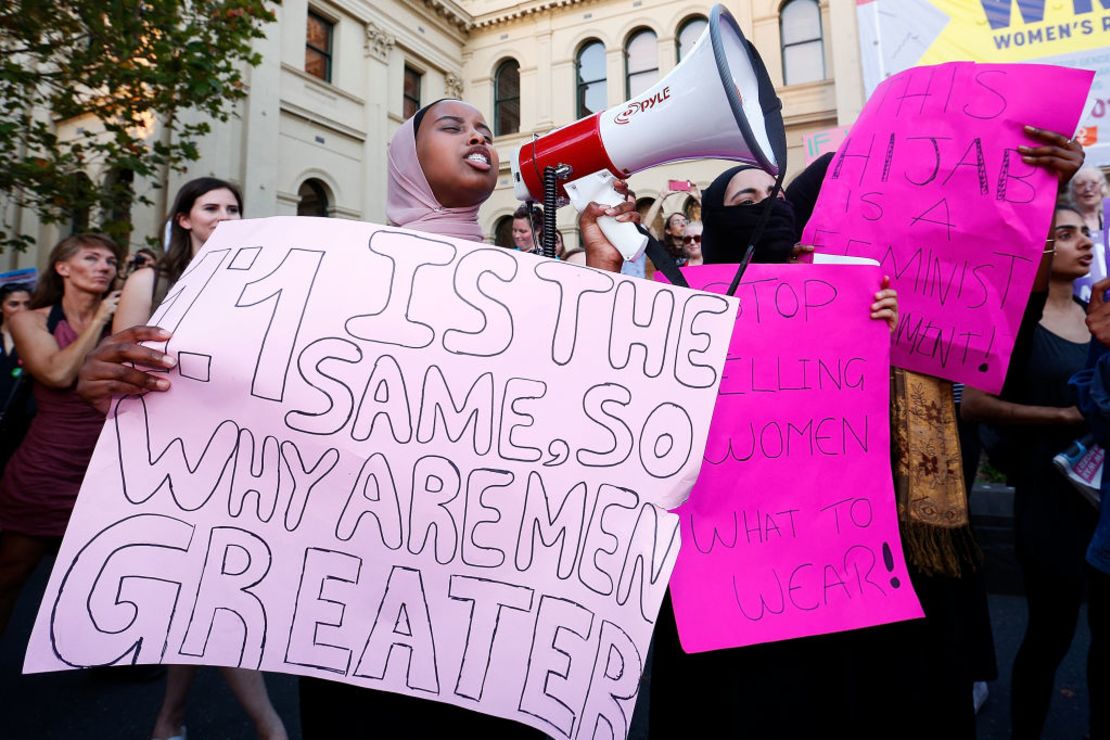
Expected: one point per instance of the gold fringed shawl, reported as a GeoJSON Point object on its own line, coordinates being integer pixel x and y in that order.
{"type": "Point", "coordinates": [928, 475]}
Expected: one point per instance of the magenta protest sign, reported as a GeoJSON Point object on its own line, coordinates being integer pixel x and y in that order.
{"type": "Point", "coordinates": [791, 529]}
{"type": "Point", "coordinates": [930, 183]}
{"type": "Point", "coordinates": [407, 463]}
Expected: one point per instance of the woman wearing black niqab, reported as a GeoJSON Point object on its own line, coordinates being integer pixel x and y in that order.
{"type": "Point", "coordinates": [730, 212]}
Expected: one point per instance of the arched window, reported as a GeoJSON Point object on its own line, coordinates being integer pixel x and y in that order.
{"type": "Point", "coordinates": [81, 198]}
{"type": "Point", "coordinates": [503, 232]}
{"type": "Point", "coordinates": [641, 62]}
{"type": "Point", "coordinates": [803, 50]}
{"type": "Point", "coordinates": [592, 95]}
{"type": "Point", "coordinates": [313, 199]}
{"type": "Point", "coordinates": [506, 98]}
{"type": "Point", "coordinates": [689, 32]}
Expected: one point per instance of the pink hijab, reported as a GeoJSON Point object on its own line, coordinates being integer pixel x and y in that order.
{"type": "Point", "coordinates": [412, 204]}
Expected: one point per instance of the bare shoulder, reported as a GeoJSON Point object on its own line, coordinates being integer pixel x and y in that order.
{"type": "Point", "coordinates": [135, 301]}
{"type": "Point", "coordinates": [140, 280]}
{"type": "Point", "coordinates": [35, 318]}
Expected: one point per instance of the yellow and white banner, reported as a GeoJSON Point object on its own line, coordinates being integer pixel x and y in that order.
{"type": "Point", "coordinates": [898, 34]}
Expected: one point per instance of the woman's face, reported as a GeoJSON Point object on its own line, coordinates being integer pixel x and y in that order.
{"type": "Point", "coordinates": [676, 225]}
{"type": "Point", "coordinates": [455, 149]}
{"type": "Point", "coordinates": [522, 235]}
{"type": "Point", "coordinates": [91, 269]}
{"type": "Point", "coordinates": [748, 187]}
{"type": "Point", "coordinates": [15, 302]}
{"type": "Point", "coordinates": [1073, 247]}
{"type": "Point", "coordinates": [1089, 188]}
{"type": "Point", "coordinates": [691, 240]}
{"type": "Point", "coordinates": [206, 214]}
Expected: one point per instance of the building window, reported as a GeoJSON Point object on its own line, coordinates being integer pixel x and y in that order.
{"type": "Point", "coordinates": [506, 98]}
{"type": "Point", "coordinates": [317, 47]}
{"type": "Point", "coordinates": [412, 92]}
{"type": "Point", "coordinates": [803, 51]}
{"type": "Point", "coordinates": [641, 62]}
{"type": "Point", "coordinates": [313, 199]}
{"type": "Point", "coordinates": [81, 197]}
{"type": "Point", "coordinates": [689, 31]}
{"type": "Point", "coordinates": [592, 95]}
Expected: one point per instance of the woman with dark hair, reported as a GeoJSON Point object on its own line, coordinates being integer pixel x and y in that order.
{"type": "Point", "coordinates": [748, 691]}
{"type": "Point", "coordinates": [528, 229]}
{"type": "Point", "coordinates": [1037, 415]}
{"type": "Point", "coordinates": [200, 206]}
{"type": "Point", "coordinates": [674, 228]}
{"type": "Point", "coordinates": [442, 167]}
{"type": "Point", "coordinates": [728, 222]}
{"type": "Point", "coordinates": [16, 406]}
{"type": "Point", "coordinates": [69, 313]}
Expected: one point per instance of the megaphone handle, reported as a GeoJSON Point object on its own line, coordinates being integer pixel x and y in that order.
{"type": "Point", "coordinates": [598, 187]}
{"type": "Point", "coordinates": [624, 236]}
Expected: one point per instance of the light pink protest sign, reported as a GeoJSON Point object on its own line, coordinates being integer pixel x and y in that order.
{"type": "Point", "coordinates": [819, 143]}
{"type": "Point", "coordinates": [402, 462]}
{"type": "Point", "coordinates": [930, 183]}
{"type": "Point", "coordinates": [792, 529]}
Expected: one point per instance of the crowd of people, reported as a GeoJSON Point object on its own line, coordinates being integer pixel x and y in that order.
{"type": "Point", "coordinates": [76, 341]}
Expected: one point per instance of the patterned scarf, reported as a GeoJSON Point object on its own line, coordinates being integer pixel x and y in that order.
{"type": "Point", "coordinates": [928, 475]}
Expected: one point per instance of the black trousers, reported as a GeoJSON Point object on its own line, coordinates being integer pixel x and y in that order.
{"type": "Point", "coordinates": [1053, 527]}
{"type": "Point", "coordinates": [1098, 659]}
{"type": "Point", "coordinates": [331, 710]}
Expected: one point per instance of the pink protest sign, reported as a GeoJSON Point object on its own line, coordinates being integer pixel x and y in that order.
{"type": "Point", "coordinates": [792, 529]}
{"type": "Point", "coordinates": [820, 143]}
{"type": "Point", "coordinates": [930, 183]}
{"type": "Point", "coordinates": [402, 462]}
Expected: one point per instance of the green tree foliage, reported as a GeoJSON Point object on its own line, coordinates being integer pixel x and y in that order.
{"type": "Point", "coordinates": [113, 68]}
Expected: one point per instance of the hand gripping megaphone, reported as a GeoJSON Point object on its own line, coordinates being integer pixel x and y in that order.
{"type": "Point", "coordinates": [718, 102]}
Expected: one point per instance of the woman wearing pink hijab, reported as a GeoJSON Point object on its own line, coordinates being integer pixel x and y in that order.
{"type": "Point", "coordinates": [442, 167]}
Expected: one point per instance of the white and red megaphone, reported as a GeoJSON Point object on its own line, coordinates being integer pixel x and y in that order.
{"type": "Point", "coordinates": [717, 103]}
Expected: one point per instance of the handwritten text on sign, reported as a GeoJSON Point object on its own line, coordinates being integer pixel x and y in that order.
{"type": "Point", "coordinates": [931, 184]}
{"type": "Point", "coordinates": [791, 529]}
{"type": "Point", "coordinates": [401, 462]}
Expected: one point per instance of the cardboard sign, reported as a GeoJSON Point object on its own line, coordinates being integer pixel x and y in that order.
{"type": "Point", "coordinates": [931, 184]}
{"type": "Point", "coordinates": [402, 462]}
{"type": "Point", "coordinates": [822, 142]}
{"type": "Point", "coordinates": [792, 528]}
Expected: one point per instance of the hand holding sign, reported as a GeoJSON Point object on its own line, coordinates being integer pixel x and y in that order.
{"type": "Point", "coordinates": [369, 470]}
{"type": "Point", "coordinates": [942, 183]}
{"type": "Point", "coordinates": [1057, 153]}
{"type": "Point", "coordinates": [791, 529]}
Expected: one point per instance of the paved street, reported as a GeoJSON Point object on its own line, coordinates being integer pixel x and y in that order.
{"type": "Point", "coordinates": [110, 704]}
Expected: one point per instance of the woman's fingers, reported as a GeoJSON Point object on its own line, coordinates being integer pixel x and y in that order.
{"type": "Point", "coordinates": [1047, 136]}
{"type": "Point", "coordinates": [1059, 154]}
{"type": "Point", "coordinates": [799, 250]}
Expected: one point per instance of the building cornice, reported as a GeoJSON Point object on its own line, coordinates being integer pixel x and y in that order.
{"type": "Point", "coordinates": [519, 11]}
{"type": "Point", "coordinates": [452, 12]}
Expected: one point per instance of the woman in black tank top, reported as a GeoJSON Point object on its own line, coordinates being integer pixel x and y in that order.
{"type": "Point", "coordinates": [1037, 418]}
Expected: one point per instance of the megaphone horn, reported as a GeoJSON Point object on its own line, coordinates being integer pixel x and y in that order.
{"type": "Point", "coordinates": [719, 102]}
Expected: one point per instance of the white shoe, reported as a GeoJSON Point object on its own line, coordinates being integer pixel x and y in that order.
{"type": "Point", "coordinates": [179, 736]}
{"type": "Point", "coordinates": [979, 693]}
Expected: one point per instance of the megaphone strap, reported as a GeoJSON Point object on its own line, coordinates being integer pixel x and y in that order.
{"type": "Point", "coordinates": [663, 260]}
{"type": "Point", "coordinates": [763, 218]}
